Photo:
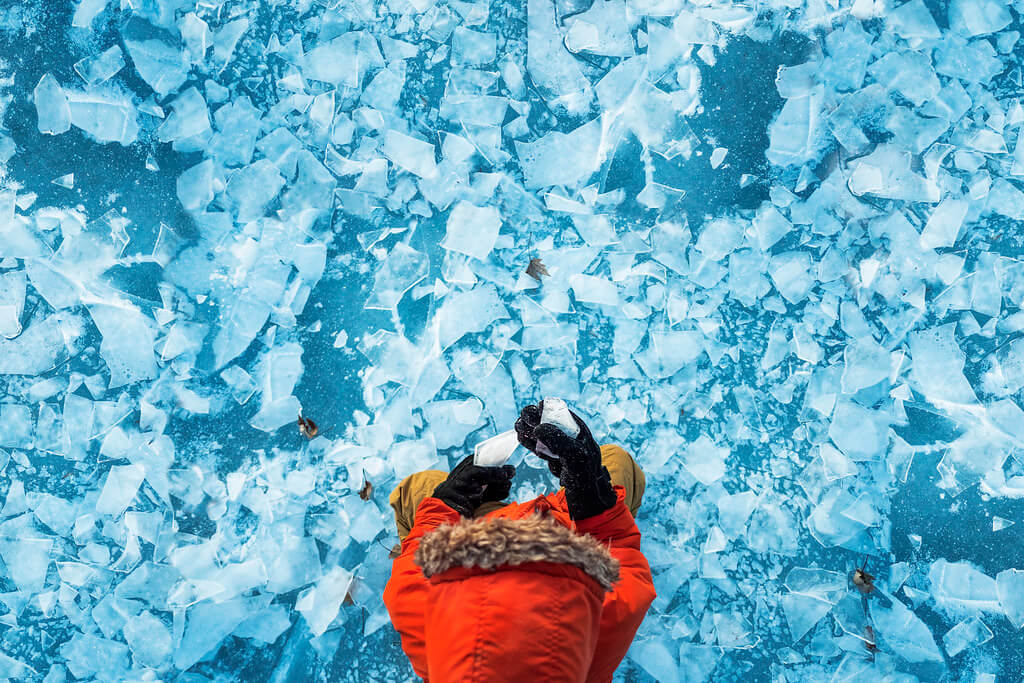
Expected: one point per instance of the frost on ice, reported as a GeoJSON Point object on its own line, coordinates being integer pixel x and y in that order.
{"type": "Point", "coordinates": [217, 219]}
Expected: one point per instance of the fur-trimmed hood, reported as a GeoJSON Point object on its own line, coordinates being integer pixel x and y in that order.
{"type": "Point", "coordinates": [492, 542]}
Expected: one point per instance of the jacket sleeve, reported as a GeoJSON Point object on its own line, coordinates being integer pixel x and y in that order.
{"type": "Point", "coordinates": [406, 592]}
{"type": "Point", "coordinates": [626, 604]}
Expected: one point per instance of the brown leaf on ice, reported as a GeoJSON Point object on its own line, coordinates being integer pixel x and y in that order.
{"type": "Point", "coordinates": [307, 427]}
{"type": "Point", "coordinates": [864, 582]}
{"type": "Point", "coordinates": [536, 269]}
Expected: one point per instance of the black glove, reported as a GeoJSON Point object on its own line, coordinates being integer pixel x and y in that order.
{"type": "Point", "coordinates": [528, 421]}
{"type": "Point", "coordinates": [469, 485]}
{"type": "Point", "coordinates": [588, 486]}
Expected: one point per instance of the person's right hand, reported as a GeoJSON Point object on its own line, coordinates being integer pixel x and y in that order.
{"type": "Point", "coordinates": [529, 420]}
{"type": "Point", "coordinates": [588, 488]}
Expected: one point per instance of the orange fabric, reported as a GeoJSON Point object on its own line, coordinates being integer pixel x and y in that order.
{"type": "Point", "coordinates": [532, 622]}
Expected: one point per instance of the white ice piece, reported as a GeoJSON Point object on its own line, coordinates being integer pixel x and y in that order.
{"type": "Point", "coordinates": [556, 412]}
{"type": "Point", "coordinates": [472, 230]}
{"type": "Point", "coordinates": [52, 109]}
{"type": "Point", "coordinates": [495, 451]}
{"type": "Point", "coordinates": [1010, 590]}
{"type": "Point", "coordinates": [120, 488]}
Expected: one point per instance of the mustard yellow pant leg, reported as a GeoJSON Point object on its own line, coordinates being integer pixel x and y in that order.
{"type": "Point", "coordinates": [625, 473]}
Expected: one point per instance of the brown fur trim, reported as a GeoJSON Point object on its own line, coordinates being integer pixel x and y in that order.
{"type": "Point", "coordinates": [491, 542]}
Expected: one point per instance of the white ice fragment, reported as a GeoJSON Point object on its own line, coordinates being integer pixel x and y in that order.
{"type": "Point", "coordinates": [667, 352]}
{"type": "Point", "coordinates": [690, 28]}
{"type": "Point", "coordinates": [604, 29]}
{"type": "Point", "coordinates": [866, 364]}
{"type": "Point", "coordinates": [770, 226]}
{"type": "Point", "coordinates": [978, 17]}
{"type": "Point", "coordinates": [409, 153]}
{"type": "Point", "coordinates": [558, 158]}
{"type": "Point", "coordinates": [16, 670]}
{"type": "Point", "coordinates": [100, 68]}
{"type": "Point", "coordinates": [195, 186]}
{"type": "Point", "coordinates": [495, 451]}
{"type": "Point", "coordinates": [909, 73]}
{"type": "Point", "coordinates": [127, 345]}
{"type": "Point", "coordinates": [27, 560]}
{"type": "Point", "coordinates": [253, 187]}
{"type": "Point", "coordinates": [718, 156]}
{"type": "Point", "coordinates": [52, 107]}
{"type": "Point", "coordinates": [960, 585]}
{"type": "Point", "coordinates": [913, 20]}
{"type": "Point", "coordinates": [472, 230]}
{"type": "Point", "coordinates": [969, 633]}
{"type": "Point", "coordinates": [106, 117]}
{"type": "Point", "coordinates": [189, 118]}
{"type": "Point", "coordinates": [802, 613]}
{"type": "Point", "coordinates": [1000, 523]}
{"type": "Point", "coordinates": [265, 625]}
{"type": "Point", "coordinates": [473, 48]}
{"type": "Point", "coordinates": [938, 365]}
{"type": "Point", "coordinates": [655, 658]}
{"type": "Point", "coordinates": [89, 656]}
{"type": "Point", "coordinates": [553, 69]}
{"type": "Point", "coordinates": [797, 135]}
{"type": "Point", "coordinates": [225, 40]}
{"type": "Point", "coordinates": [291, 563]}
{"type": "Point", "coordinates": [402, 268]}
{"type": "Point", "coordinates": [195, 33]}
{"type": "Point", "coordinates": [887, 173]}
{"type": "Point", "coordinates": [149, 639]}
{"type": "Point", "coordinates": [119, 490]}
{"type": "Point", "coordinates": [903, 631]}
{"type": "Point", "coordinates": [344, 60]}
{"type": "Point", "coordinates": [162, 66]}
{"type": "Point", "coordinates": [208, 623]}
{"type": "Point", "coordinates": [715, 542]}
{"type": "Point", "coordinates": [87, 11]}
{"type": "Point", "coordinates": [705, 460]}
{"type": "Point", "coordinates": [12, 302]}
{"type": "Point", "coordinates": [556, 412]}
{"type": "Point", "coordinates": [943, 226]}
{"type": "Point", "coordinates": [321, 603]}
{"type": "Point", "coordinates": [594, 290]}
{"type": "Point", "coordinates": [466, 312]}
{"type": "Point", "coordinates": [791, 274]}
{"type": "Point", "coordinates": [860, 433]}
{"type": "Point", "coordinates": [1010, 591]}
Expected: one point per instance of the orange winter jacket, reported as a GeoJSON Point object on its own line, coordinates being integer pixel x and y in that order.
{"type": "Point", "coordinates": [521, 594]}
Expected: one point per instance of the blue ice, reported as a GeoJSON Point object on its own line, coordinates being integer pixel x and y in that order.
{"type": "Point", "coordinates": [782, 266]}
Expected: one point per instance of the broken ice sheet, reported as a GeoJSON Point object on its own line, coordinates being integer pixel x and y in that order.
{"type": "Point", "coordinates": [893, 168]}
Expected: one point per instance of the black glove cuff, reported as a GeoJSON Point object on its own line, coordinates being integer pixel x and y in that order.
{"type": "Point", "coordinates": [588, 496]}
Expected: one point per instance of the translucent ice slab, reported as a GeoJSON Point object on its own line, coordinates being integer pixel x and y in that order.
{"type": "Point", "coordinates": [495, 451]}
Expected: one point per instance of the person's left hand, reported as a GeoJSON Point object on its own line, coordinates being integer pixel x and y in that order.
{"type": "Point", "coordinates": [469, 486]}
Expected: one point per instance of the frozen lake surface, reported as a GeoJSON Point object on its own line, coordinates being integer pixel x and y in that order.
{"type": "Point", "coordinates": [779, 260]}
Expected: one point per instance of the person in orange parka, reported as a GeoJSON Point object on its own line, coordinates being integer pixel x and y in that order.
{"type": "Point", "coordinates": [553, 589]}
